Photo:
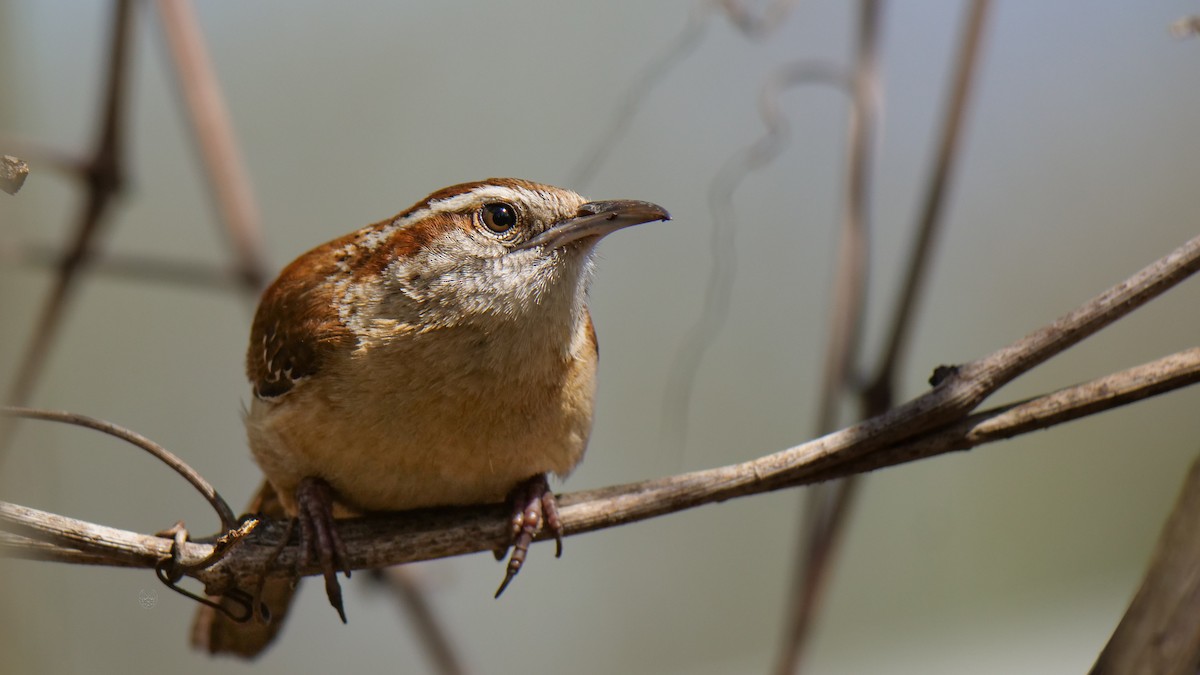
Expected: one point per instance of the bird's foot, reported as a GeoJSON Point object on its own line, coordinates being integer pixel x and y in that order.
{"type": "Point", "coordinates": [319, 539]}
{"type": "Point", "coordinates": [533, 508]}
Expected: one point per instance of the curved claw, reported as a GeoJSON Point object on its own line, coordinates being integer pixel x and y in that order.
{"type": "Point", "coordinates": [319, 538]}
{"type": "Point", "coordinates": [534, 507]}
{"type": "Point", "coordinates": [508, 577]}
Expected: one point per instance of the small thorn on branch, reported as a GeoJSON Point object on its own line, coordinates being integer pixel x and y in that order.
{"type": "Point", "coordinates": [941, 373]}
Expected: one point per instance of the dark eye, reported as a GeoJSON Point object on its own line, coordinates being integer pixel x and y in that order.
{"type": "Point", "coordinates": [499, 217]}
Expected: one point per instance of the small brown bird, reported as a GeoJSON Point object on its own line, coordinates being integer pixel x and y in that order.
{"type": "Point", "coordinates": [444, 356]}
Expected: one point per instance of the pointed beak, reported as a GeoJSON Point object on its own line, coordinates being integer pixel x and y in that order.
{"type": "Point", "coordinates": [596, 219]}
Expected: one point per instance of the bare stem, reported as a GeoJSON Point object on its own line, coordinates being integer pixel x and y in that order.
{"type": "Point", "coordinates": [228, 519]}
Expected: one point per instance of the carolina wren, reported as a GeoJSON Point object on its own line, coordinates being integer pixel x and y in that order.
{"type": "Point", "coordinates": [443, 356]}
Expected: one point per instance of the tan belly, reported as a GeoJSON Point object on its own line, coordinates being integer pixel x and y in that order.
{"type": "Point", "coordinates": [403, 452]}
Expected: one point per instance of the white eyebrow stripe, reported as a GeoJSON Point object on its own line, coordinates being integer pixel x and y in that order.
{"type": "Point", "coordinates": [482, 193]}
{"type": "Point", "coordinates": [479, 194]}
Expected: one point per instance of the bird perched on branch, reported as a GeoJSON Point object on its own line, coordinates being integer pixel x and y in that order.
{"type": "Point", "coordinates": [443, 356]}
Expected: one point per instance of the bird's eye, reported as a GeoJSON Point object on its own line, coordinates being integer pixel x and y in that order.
{"type": "Point", "coordinates": [499, 217]}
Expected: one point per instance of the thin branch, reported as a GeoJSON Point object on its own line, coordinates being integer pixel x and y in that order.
{"type": "Point", "coordinates": [1128, 386]}
{"type": "Point", "coordinates": [390, 539]}
{"type": "Point", "coordinates": [103, 174]}
{"type": "Point", "coordinates": [228, 519]}
{"type": "Point", "coordinates": [1160, 632]}
{"type": "Point", "coordinates": [156, 270]}
{"type": "Point", "coordinates": [226, 172]}
{"type": "Point", "coordinates": [848, 299]}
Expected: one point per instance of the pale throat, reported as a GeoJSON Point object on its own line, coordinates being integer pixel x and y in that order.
{"type": "Point", "coordinates": [515, 317]}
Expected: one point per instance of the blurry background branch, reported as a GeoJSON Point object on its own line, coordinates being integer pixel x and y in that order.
{"type": "Point", "coordinates": [103, 177]}
{"type": "Point", "coordinates": [215, 141]}
{"type": "Point", "coordinates": [828, 507]}
{"type": "Point", "coordinates": [149, 269]}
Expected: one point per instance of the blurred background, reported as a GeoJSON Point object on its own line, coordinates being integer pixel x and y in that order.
{"type": "Point", "coordinates": [1078, 166]}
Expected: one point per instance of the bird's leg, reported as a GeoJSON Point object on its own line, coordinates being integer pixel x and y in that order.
{"type": "Point", "coordinates": [533, 507]}
{"type": "Point", "coordinates": [319, 539]}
